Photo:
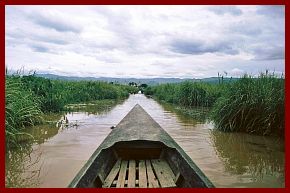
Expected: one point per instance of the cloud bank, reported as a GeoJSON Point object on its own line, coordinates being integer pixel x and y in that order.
{"type": "Point", "coordinates": [146, 41]}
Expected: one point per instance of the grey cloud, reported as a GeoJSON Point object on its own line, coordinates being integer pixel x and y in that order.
{"type": "Point", "coordinates": [244, 28]}
{"type": "Point", "coordinates": [172, 40]}
{"type": "Point", "coordinates": [36, 43]}
{"type": "Point", "coordinates": [276, 11]}
{"type": "Point", "coordinates": [120, 23]}
{"type": "Point", "coordinates": [269, 53]}
{"type": "Point", "coordinates": [199, 47]}
{"type": "Point", "coordinates": [55, 23]}
{"type": "Point", "coordinates": [23, 37]}
{"type": "Point", "coordinates": [38, 48]}
{"type": "Point", "coordinates": [52, 40]}
{"type": "Point", "coordinates": [11, 42]}
{"type": "Point", "coordinates": [221, 10]}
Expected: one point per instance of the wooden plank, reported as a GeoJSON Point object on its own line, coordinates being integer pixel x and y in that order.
{"type": "Point", "coordinates": [122, 174]}
{"type": "Point", "coordinates": [113, 173]}
{"type": "Point", "coordinates": [142, 174]}
{"type": "Point", "coordinates": [132, 174]}
{"type": "Point", "coordinates": [163, 173]}
{"type": "Point", "coordinates": [152, 180]}
{"type": "Point", "coordinates": [126, 182]}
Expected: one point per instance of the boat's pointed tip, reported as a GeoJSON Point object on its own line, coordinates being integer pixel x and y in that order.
{"type": "Point", "coordinates": [137, 105]}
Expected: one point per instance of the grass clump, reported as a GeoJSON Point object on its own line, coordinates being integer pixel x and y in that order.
{"type": "Point", "coordinates": [27, 97]}
{"type": "Point", "coordinates": [252, 105]}
{"type": "Point", "coordinates": [21, 109]}
{"type": "Point", "coordinates": [55, 94]}
{"type": "Point", "coordinates": [248, 104]}
{"type": "Point", "coordinates": [187, 94]}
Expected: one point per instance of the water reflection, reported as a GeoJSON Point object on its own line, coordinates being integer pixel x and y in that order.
{"type": "Point", "coordinates": [21, 167]}
{"type": "Point", "coordinates": [193, 116]}
{"type": "Point", "coordinates": [43, 133]}
{"type": "Point", "coordinates": [26, 165]}
{"type": "Point", "coordinates": [94, 108]}
{"type": "Point", "coordinates": [254, 157]}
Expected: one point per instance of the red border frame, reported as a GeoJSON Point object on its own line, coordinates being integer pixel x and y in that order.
{"type": "Point", "coordinates": [2, 94]}
{"type": "Point", "coordinates": [145, 2]}
{"type": "Point", "coordinates": [129, 2]}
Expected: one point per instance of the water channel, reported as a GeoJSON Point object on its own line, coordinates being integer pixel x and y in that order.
{"type": "Point", "coordinates": [228, 159]}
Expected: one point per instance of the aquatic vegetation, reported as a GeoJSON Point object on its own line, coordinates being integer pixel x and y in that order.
{"type": "Point", "coordinates": [27, 97]}
{"type": "Point", "coordinates": [22, 108]}
{"type": "Point", "coordinates": [250, 104]}
{"type": "Point", "coordinates": [188, 94]}
{"type": "Point", "coordinates": [55, 94]}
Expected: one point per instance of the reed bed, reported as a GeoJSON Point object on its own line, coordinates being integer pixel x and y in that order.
{"type": "Point", "coordinates": [189, 94]}
{"type": "Point", "coordinates": [55, 94]}
{"type": "Point", "coordinates": [250, 104]}
{"type": "Point", "coordinates": [21, 110]}
{"type": "Point", "coordinates": [27, 97]}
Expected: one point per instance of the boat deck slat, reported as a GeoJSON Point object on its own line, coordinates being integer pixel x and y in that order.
{"type": "Point", "coordinates": [112, 175]}
{"type": "Point", "coordinates": [132, 174]}
{"type": "Point", "coordinates": [163, 173]}
{"type": "Point", "coordinates": [152, 180]}
{"type": "Point", "coordinates": [153, 173]}
{"type": "Point", "coordinates": [122, 174]}
{"type": "Point", "coordinates": [142, 174]}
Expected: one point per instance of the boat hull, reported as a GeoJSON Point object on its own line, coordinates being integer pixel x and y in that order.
{"type": "Point", "coordinates": [137, 139]}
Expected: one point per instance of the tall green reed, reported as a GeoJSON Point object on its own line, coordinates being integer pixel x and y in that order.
{"type": "Point", "coordinates": [252, 105]}
{"type": "Point", "coordinates": [21, 109]}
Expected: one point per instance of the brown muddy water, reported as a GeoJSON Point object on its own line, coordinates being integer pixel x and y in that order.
{"type": "Point", "coordinates": [228, 159]}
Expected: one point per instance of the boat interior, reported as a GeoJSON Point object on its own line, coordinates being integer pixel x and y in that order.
{"type": "Point", "coordinates": [138, 153]}
{"type": "Point", "coordinates": [140, 164]}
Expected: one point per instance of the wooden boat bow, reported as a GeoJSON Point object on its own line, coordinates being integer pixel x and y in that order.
{"type": "Point", "coordinates": [139, 137]}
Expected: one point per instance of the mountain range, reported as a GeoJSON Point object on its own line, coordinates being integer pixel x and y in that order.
{"type": "Point", "coordinates": [148, 81]}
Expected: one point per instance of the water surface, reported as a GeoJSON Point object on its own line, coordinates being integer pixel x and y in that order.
{"type": "Point", "coordinates": [228, 159]}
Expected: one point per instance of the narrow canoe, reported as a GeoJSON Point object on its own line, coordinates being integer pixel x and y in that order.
{"type": "Point", "coordinates": [139, 153]}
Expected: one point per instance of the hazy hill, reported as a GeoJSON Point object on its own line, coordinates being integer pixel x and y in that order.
{"type": "Point", "coordinates": [149, 81]}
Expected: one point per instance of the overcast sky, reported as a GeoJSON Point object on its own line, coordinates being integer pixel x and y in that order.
{"type": "Point", "coordinates": [146, 41]}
